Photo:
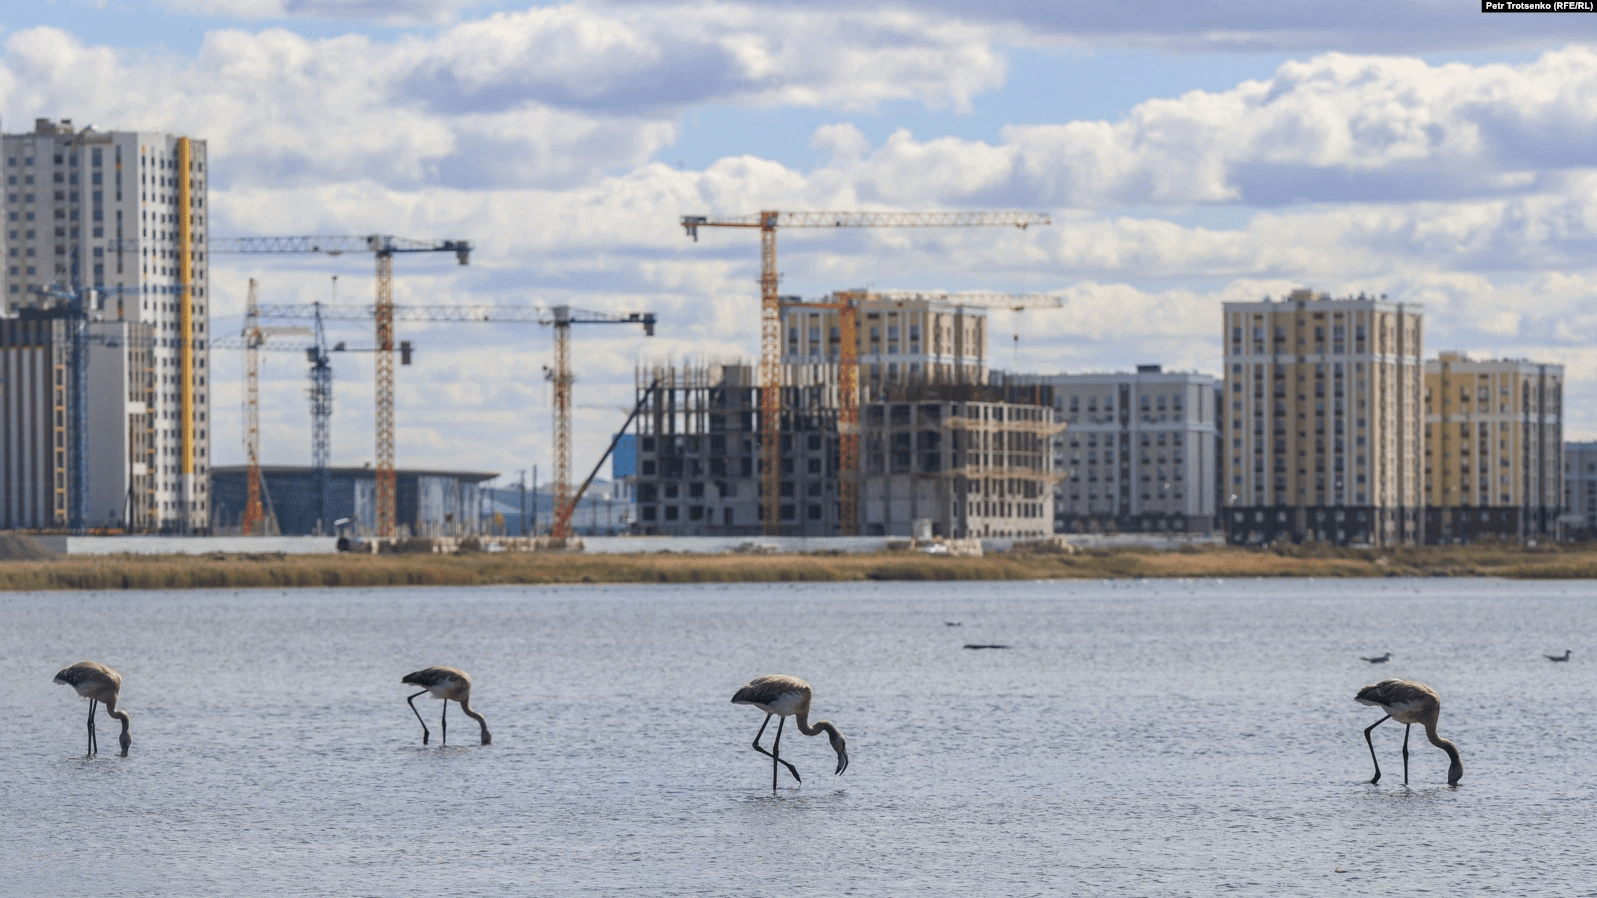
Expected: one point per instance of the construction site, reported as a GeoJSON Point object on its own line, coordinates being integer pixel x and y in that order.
{"type": "Point", "coordinates": [866, 414]}
{"type": "Point", "coordinates": [903, 436]}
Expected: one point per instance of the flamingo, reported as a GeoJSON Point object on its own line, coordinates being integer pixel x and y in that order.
{"type": "Point", "coordinates": [1408, 703]}
{"type": "Point", "coordinates": [97, 683]}
{"type": "Point", "coordinates": [1563, 657]}
{"type": "Point", "coordinates": [1379, 659]}
{"type": "Point", "coordinates": [449, 684]}
{"type": "Point", "coordinates": [784, 696]}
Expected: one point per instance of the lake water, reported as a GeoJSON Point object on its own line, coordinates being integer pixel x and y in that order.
{"type": "Point", "coordinates": [1138, 738]}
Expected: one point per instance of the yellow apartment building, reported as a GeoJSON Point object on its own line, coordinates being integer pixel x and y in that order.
{"type": "Point", "coordinates": [1493, 448]}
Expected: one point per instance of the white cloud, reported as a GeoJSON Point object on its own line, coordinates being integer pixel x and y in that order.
{"type": "Point", "coordinates": [394, 12]}
{"type": "Point", "coordinates": [550, 96]}
{"type": "Point", "coordinates": [1335, 128]}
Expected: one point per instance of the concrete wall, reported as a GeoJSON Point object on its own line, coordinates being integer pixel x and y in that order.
{"type": "Point", "coordinates": [187, 545]}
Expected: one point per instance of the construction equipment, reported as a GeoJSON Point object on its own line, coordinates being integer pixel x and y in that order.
{"type": "Point", "coordinates": [562, 524]}
{"type": "Point", "coordinates": [770, 303]}
{"type": "Point", "coordinates": [384, 247]}
{"type": "Point", "coordinates": [846, 303]}
{"type": "Point", "coordinates": [255, 336]}
{"type": "Point", "coordinates": [493, 313]}
{"type": "Point", "coordinates": [562, 317]}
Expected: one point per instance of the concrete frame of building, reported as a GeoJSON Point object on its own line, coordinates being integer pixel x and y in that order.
{"type": "Point", "coordinates": [1493, 448]}
{"type": "Point", "coordinates": [958, 461]}
{"type": "Point", "coordinates": [1324, 420]}
{"type": "Point", "coordinates": [698, 456]}
{"type": "Point", "coordinates": [100, 209]}
{"type": "Point", "coordinates": [962, 461]}
{"type": "Point", "coordinates": [1146, 439]}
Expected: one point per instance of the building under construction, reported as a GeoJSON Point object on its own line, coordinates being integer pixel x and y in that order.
{"type": "Point", "coordinates": [939, 450]}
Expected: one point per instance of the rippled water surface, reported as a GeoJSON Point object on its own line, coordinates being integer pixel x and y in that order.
{"type": "Point", "coordinates": [1136, 738]}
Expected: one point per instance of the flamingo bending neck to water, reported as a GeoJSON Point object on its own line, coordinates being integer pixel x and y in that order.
{"type": "Point", "coordinates": [99, 684]}
{"type": "Point", "coordinates": [786, 696]}
{"type": "Point", "coordinates": [1408, 703]}
{"type": "Point", "coordinates": [449, 684]}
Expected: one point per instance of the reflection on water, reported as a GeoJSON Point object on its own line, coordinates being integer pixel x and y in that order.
{"type": "Point", "coordinates": [1147, 738]}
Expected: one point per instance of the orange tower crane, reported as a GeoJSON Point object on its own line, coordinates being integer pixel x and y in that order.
{"type": "Point", "coordinates": [846, 303]}
{"type": "Point", "coordinates": [384, 247]}
{"type": "Point", "coordinates": [562, 317]}
{"type": "Point", "coordinates": [770, 303]}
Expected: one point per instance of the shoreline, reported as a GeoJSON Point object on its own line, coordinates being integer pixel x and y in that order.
{"type": "Point", "coordinates": [1577, 562]}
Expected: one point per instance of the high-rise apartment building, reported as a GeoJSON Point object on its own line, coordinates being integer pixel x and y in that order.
{"type": "Point", "coordinates": [1324, 420]}
{"type": "Point", "coordinates": [119, 218]}
{"type": "Point", "coordinates": [1138, 451]}
{"type": "Point", "coordinates": [1493, 448]}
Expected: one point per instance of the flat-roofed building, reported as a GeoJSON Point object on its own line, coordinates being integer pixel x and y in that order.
{"type": "Point", "coordinates": [121, 217]}
{"type": "Point", "coordinates": [1137, 452]}
{"type": "Point", "coordinates": [1493, 448]}
{"type": "Point", "coordinates": [1324, 420]}
{"type": "Point", "coordinates": [1580, 489]}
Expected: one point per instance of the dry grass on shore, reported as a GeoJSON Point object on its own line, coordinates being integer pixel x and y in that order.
{"type": "Point", "coordinates": [246, 571]}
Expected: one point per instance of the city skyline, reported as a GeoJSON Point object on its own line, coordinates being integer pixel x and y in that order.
{"type": "Point", "coordinates": [1428, 154]}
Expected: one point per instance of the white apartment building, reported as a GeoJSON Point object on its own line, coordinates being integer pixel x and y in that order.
{"type": "Point", "coordinates": [1137, 452]}
{"type": "Point", "coordinates": [121, 217]}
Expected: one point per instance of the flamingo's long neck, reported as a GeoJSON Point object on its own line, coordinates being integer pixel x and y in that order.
{"type": "Point", "coordinates": [1456, 769]}
{"type": "Point", "coordinates": [802, 718]}
{"type": "Point", "coordinates": [126, 738]}
{"type": "Point", "coordinates": [465, 705]}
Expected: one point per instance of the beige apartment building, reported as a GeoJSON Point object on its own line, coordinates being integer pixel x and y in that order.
{"type": "Point", "coordinates": [1323, 412]}
{"type": "Point", "coordinates": [1493, 448]}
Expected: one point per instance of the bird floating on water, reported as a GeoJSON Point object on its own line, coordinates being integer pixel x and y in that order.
{"type": "Point", "coordinates": [1563, 657]}
{"type": "Point", "coordinates": [786, 696]}
{"type": "Point", "coordinates": [99, 684]}
{"type": "Point", "coordinates": [1408, 703]}
{"type": "Point", "coordinates": [1379, 659]}
{"type": "Point", "coordinates": [449, 684]}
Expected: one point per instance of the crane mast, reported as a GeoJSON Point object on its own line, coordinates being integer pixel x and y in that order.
{"type": "Point", "coordinates": [767, 222]}
{"type": "Point", "coordinates": [321, 399]}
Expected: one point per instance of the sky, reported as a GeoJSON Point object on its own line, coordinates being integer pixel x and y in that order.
{"type": "Point", "coordinates": [1189, 153]}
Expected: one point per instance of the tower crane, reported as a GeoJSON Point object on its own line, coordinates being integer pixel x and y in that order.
{"type": "Point", "coordinates": [768, 222]}
{"type": "Point", "coordinates": [384, 247]}
{"type": "Point", "coordinates": [562, 317]}
{"type": "Point", "coordinates": [846, 303]}
{"type": "Point", "coordinates": [254, 336]}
